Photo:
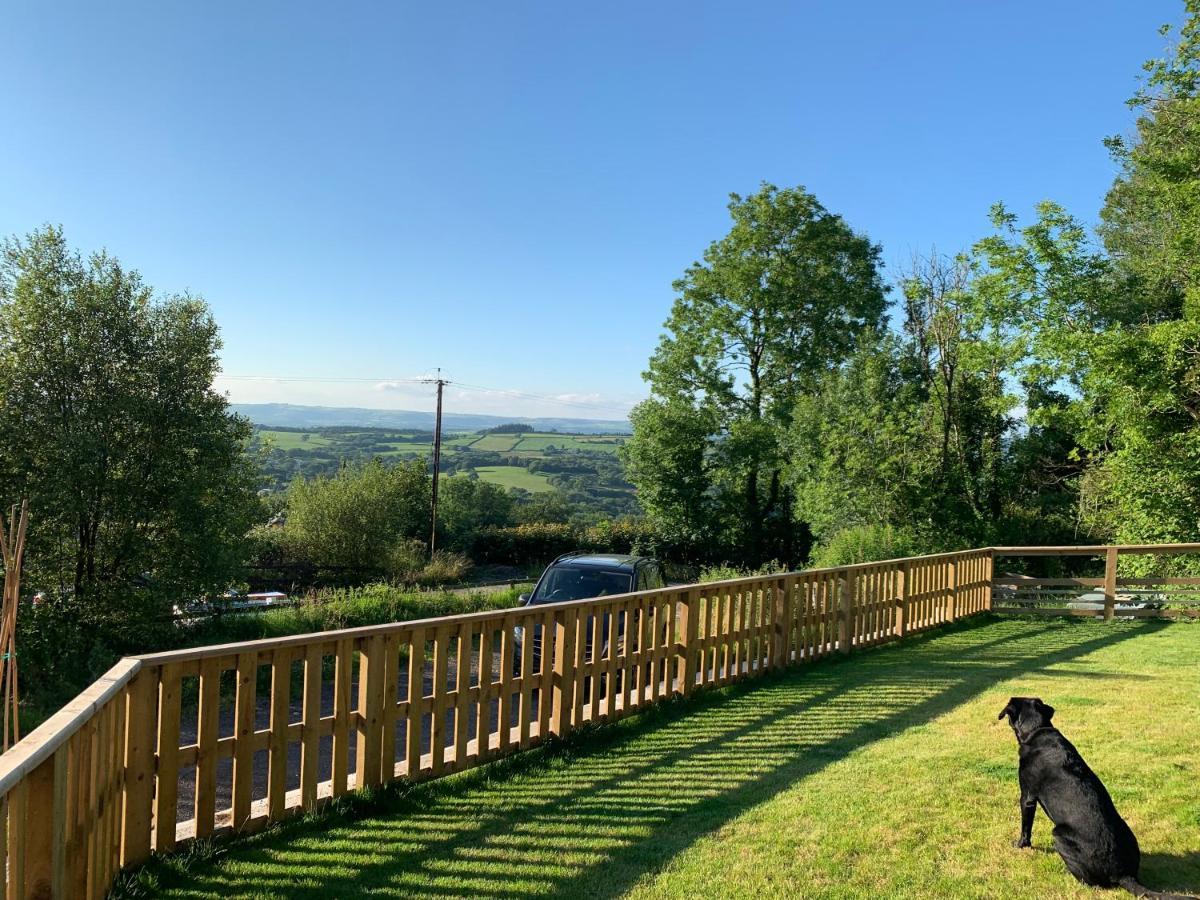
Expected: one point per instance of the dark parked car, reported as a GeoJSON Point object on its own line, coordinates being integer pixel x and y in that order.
{"type": "Point", "coordinates": [582, 576]}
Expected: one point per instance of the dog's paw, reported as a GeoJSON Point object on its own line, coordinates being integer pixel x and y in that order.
{"type": "Point", "coordinates": [1022, 844]}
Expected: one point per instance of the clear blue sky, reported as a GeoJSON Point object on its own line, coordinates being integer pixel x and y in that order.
{"type": "Point", "coordinates": [507, 190]}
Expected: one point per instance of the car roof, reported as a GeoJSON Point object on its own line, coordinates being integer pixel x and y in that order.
{"type": "Point", "coordinates": [601, 560]}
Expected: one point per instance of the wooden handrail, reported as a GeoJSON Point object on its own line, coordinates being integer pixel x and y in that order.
{"type": "Point", "coordinates": [1096, 549]}
{"type": "Point", "coordinates": [41, 743]}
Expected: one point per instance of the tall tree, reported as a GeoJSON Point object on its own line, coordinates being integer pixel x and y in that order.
{"type": "Point", "coordinates": [133, 466]}
{"type": "Point", "coordinates": [1151, 220]}
{"type": "Point", "coordinates": [780, 299]}
{"type": "Point", "coordinates": [1142, 393]}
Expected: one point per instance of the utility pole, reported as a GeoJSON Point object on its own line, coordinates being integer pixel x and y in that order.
{"type": "Point", "coordinates": [437, 457]}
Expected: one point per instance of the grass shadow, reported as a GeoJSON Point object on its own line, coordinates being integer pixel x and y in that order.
{"type": "Point", "coordinates": [1171, 872]}
{"type": "Point", "coordinates": [607, 808]}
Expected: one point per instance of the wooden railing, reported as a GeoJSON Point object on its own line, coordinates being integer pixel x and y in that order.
{"type": "Point", "coordinates": [1109, 596]}
{"type": "Point", "coordinates": [174, 746]}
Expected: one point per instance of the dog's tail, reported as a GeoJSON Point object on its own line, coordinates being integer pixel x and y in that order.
{"type": "Point", "coordinates": [1138, 889]}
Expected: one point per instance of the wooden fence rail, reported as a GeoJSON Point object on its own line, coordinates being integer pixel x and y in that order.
{"type": "Point", "coordinates": [1161, 597]}
{"type": "Point", "coordinates": [174, 746]}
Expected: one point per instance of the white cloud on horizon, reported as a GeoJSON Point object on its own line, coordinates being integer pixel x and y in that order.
{"type": "Point", "coordinates": [407, 395]}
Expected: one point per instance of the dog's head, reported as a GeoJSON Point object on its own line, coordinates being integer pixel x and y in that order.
{"type": "Point", "coordinates": [1026, 715]}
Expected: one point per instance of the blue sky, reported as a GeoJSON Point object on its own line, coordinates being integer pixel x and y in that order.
{"type": "Point", "coordinates": [506, 190]}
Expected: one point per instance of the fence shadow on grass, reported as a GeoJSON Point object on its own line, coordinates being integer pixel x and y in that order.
{"type": "Point", "coordinates": [594, 816]}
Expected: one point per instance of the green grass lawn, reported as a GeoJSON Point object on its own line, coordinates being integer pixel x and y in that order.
{"type": "Point", "coordinates": [515, 476]}
{"type": "Point", "coordinates": [883, 775]}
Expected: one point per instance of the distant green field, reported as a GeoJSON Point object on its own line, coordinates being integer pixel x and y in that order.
{"type": "Point", "coordinates": [515, 477]}
{"type": "Point", "coordinates": [294, 440]}
{"type": "Point", "coordinates": [541, 442]}
{"type": "Point", "coordinates": [402, 448]}
{"type": "Point", "coordinates": [498, 442]}
{"type": "Point", "coordinates": [602, 443]}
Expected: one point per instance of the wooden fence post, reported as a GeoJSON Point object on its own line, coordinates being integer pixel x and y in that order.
{"type": "Point", "coordinates": [952, 595]}
{"type": "Point", "coordinates": [370, 712]}
{"type": "Point", "coordinates": [846, 612]}
{"type": "Point", "coordinates": [783, 623]}
{"type": "Point", "coordinates": [901, 628]}
{"type": "Point", "coordinates": [167, 776]}
{"type": "Point", "coordinates": [1110, 582]}
{"type": "Point", "coordinates": [989, 574]}
{"type": "Point", "coordinates": [564, 671]}
{"type": "Point", "coordinates": [685, 646]}
{"type": "Point", "coordinates": [40, 830]}
{"type": "Point", "coordinates": [61, 828]}
{"type": "Point", "coordinates": [140, 730]}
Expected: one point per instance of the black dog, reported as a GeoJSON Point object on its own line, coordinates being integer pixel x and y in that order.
{"type": "Point", "coordinates": [1091, 837]}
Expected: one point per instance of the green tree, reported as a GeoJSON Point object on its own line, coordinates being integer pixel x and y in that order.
{"type": "Point", "coordinates": [1151, 219]}
{"type": "Point", "coordinates": [669, 460]}
{"type": "Point", "coordinates": [917, 442]}
{"type": "Point", "coordinates": [776, 302]}
{"type": "Point", "coordinates": [860, 445]}
{"type": "Point", "coordinates": [357, 518]}
{"type": "Point", "coordinates": [1143, 393]}
{"type": "Point", "coordinates": [466, 506]}
{"type": "Point", "coordinates": [957, 364]}
{"type": "Point", "coordinates": [133, 465]}
{"type": "Point", "coordinates": [549, 507]}
{"type": "Point", "coordinates": [1106, 344]}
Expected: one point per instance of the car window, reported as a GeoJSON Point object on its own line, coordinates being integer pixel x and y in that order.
{"type": "Point", "coordinates": [580, 583]}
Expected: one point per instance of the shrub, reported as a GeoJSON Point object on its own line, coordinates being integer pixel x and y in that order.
{"type": "Point", "coordinates": [866, 543]}
{"type": "Point", "coordinates": [406, 560]}
{"type": "Point", "coordinates": [444, 568]}
{"type": "Point", "coordinates": [540, 542]}
{"type": "Point", "coordinates": [354, 519]}
{"type": "Point", "coordinates": [523, 544]}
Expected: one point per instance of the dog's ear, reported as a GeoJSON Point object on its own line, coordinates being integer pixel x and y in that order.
{"type": "Point", "coordinates": [1010, 710]}
{"type": "Point", "coordinates": [1045, 709]}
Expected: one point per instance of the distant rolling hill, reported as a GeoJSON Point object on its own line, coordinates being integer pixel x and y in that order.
{"type": "Point", "coordinates": [286, 415]}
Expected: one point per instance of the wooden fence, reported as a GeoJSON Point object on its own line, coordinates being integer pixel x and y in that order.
{"type": "Point", "coordinates": [1161, 597]}
{"type": "Point", "coordinates": [174, 746]}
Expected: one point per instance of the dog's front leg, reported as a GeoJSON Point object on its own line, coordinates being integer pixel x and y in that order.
{"type": "Point", "coordinates": [1028, 808]}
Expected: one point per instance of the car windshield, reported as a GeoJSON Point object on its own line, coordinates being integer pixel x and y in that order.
{"type": "Point", "coordinates": [581, 583]}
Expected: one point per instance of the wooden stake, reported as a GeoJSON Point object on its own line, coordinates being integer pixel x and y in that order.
{"type": "Point", "coordinates": [12, 549]}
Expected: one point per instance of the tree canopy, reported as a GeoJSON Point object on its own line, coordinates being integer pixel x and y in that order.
{"type": "Point", "coordinates": [773, 305]}
{"type": "Point", "coordinates": [1042, 385]}
{"type": "Point", "coordinates": [134, 468]}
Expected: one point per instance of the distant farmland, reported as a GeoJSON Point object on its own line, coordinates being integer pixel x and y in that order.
{"type": "Point", "coordinates": [515, 476]}
{"type": "Point", "coordinates": [583, 467]}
